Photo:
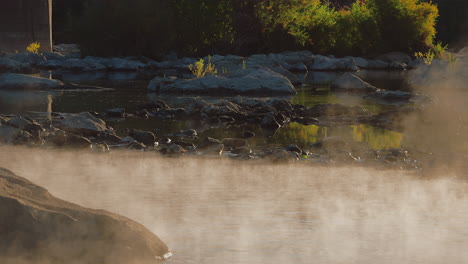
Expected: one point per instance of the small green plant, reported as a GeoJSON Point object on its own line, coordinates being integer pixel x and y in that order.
{"type": "Point", "coordinates": [202, 69]}
{"type": "Point", "coordinates": [427, 57]}
{"type": "Point", "coordinates": [34, 47]}
{"type": "Point", "coordinates": [244, 65]}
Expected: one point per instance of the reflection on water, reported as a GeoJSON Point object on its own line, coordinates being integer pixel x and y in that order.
{"type": "Point", "coordinates": [130, 91]}
{"type": "Point", "coordinates": [227, 212]}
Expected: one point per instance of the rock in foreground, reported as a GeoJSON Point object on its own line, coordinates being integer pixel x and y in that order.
{"type": "Point", "coordinates": [36, 227]}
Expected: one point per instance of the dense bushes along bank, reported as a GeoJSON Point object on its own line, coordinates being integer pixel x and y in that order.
{"type": "Point", "coordinates": [200, 27]}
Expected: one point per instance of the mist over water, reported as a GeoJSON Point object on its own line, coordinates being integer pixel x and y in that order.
{"type": "Point", "coordinates": [222, 211]}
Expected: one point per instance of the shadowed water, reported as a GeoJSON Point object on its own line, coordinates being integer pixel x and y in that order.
{"type": "Point", "coordinates": [227, 212]}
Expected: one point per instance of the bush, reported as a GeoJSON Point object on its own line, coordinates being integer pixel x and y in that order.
{"type": "Point", "coordinates": [34, 47]}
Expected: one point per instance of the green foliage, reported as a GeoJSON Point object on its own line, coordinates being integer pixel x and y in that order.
{"type": "Point", "coordinates": [200, 69]}
{"type": "Point", "coordinates": [34, 47]}
{"type": "Point", "coordinates": [437, 51]}
{"type": "Point", "coordinates": [195, 27]}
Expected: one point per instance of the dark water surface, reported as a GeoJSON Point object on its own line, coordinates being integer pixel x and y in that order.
{"type": "Point", "coordinates": [130, 90]}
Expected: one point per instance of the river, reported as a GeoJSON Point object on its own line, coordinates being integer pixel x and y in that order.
{"type": "Point", "coordinates": [232, 212]}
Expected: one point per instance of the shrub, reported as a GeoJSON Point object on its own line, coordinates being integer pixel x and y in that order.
{"type": "Point", "coordinates": [34, 47]}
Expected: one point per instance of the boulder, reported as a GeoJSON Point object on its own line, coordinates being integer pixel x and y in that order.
{"type": "Point", "coordinates": [83, 123]}
{"type": "Point", "coordinates": [37, 226]}
{"type": "Point", "coordinates": [351, 83]}
{"type": "Point", "coordinates": [245, 81]}
{"type": "Point", "coordinates": [370, 64]}
{"type": "Point", "coordinates": [13, 81]}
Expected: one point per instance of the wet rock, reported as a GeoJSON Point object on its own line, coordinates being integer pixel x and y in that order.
{"type": "Point", "coordinates": [351, 83]}
{"type": "Point", "coordinates": [13, 81]}
{"type": "Point", "coordinates": [164, 141]}
{"type": "Point", "coordinates": [83, 123]}
{"type": "Point", "coordinates": [53, 56]}
{"type": "Point", "coordinates": [36, 225]}
{"type": "Point", "coordinates": [233, 143]}
{"type": "Point", "coordinates": [12, 135]}
{"type": "Point", "coordinates": [291, 77]}
{"type": "Point", "coordinates": [154, 106]}
{"type": "Point", "coordinates": [245, 81]}
{"type": "Point", "coordinates": [226, 119]}
{"type": "Point", "coordinates": [72, 64]}
{"type": "Point", "coordinates": [56, 137]}
{"type": "Point", "coordinates": [146, 137]}
{"type": "Point", "coordinates": [19, 122]}
{"type": "Point", "coordinates": [100, 147]}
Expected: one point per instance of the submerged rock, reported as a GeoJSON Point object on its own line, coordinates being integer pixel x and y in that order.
{"type": "Point", "coordinates": [37, 226]}
{"type": "Point", "coordinates": [13, 81]}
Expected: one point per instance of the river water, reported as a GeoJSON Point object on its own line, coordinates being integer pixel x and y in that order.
{"type": "Point", "coordinates": [231, 212]}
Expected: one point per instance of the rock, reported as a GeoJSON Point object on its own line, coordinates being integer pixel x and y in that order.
{"type": "Point", "coordinates": [322, 63]}
{"type": "Point", "coordinates": [13, 81]}
{"type": "Point", "coordinates": [398, 57]}
{"type": "Point", "coordinates": [351, 83]}
{"type": "Point", "coordinates": [146, 137]}
{"type": "Point", "coordinates": [8, 65]}
{"type": "Point", "coordinates": [28, 57]}
{"type": "Point", "coordinates": [67, 49]}
{"type": "Point", "coordinates": [57, 137]}
{"type": "Point", "coordinates": [241, 150]}
{"type": "Point", "coordinates": [37, 226]}
{"type": "Point", "coordinates": [390, 96]}
{"type": "Point", "coordinates": [19, 122]}
{"type": "Point", "coordinates": [234, 143]}
{"type": "Point", "coordinates": [83, 123]}
{"type": "Point", "coordinates": [12, 135]}
{"type": "Point", "coordinates": [245, 81]}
